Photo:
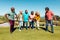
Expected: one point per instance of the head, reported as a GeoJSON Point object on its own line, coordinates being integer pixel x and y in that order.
{"type": "Point", "coordinates": [46, 9]}
{"type": "Point", "coordinates": [26, 11]}
{"type": "Point", "coordinates": [12, 9]}
{"type": "Point", "coordinates": [37, 13]}
{"type": "Point", "coordinates": [32, 12]}
{"type": "Point", "coordinates": [21, 12]}
{"type": "Point", "coordinates": [29, 16]}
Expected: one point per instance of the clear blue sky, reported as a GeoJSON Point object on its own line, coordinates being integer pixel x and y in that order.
{"type": "Point", "coordinates": [35, 5]}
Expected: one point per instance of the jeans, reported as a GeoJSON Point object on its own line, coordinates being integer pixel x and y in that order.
{"type": "Point", "coordinates": [25, 24]}
{"type": "Point", "coordinates": [37, 24]}
{"type": "Point", "coordinates": [20, 25]}
{"type": "Point", "coordinates": [51, 24]}
{"type": "Point", "coordinates": [11, 25]}
{"type": "Point", "coordinates": [32, 24]}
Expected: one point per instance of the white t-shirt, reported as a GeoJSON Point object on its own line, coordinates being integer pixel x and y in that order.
{"type": "Point", "coordinates": [21, 17]}
{"type": "Point", "coordinates": [31, 16]}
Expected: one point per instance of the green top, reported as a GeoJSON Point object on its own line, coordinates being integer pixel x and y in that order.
{"type": "Point", "coordinates": [11, 15]}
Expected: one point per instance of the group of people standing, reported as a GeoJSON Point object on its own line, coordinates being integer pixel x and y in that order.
{"type": "Point", "coordinates": [24, 18]}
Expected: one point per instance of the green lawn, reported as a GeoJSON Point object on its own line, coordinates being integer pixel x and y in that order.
{"type": "Point", "coordinates": [29, 34]}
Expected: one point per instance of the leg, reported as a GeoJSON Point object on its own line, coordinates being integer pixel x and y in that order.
{"type": "Point", "coordinates": [32, 23]}
{"type": "Point", "coordinates": [51, 24]}
{"type": "Point", "coordinates": [46, 25]}
{"type": "Point", "coordinates": [23, 24]}
{"type": "Point", "coordinates": [38, 24]}
{"type": "Point", "coordinates": [11, 25]}
{"type": "Point", "coordinates": [26, 25]}
{"type": "Point", "coordinates": [29, 24]}
{"type": "Point", "coordinates": [35, 24]}
{"type": "Point", "coordinates": [20, 25]}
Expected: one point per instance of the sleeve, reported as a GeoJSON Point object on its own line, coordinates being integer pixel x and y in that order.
{"type": "Point", "coordinates": [8, 14]}
{"type": "Point", "coordinates": [52, 13]}
{"type": "Point", "coordinates": [39, 17]}
{"type": "Point", "coordinates": [15, 14]}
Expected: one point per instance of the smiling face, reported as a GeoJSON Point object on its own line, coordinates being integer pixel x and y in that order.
{"type": "Point", "coordinates": [20, 12]}
{"type": "Point", "coordinates": [37, 13]}
{"type": "Point", "coordinates": [13, 9]}
{"type": "Point", "coordinates": [46, 9]}
{"type": "Point", "coordinates": [26, 11]}
{"type": "Point", "coordinates": [32, 12]}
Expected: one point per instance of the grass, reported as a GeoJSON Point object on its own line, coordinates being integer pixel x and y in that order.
{"type": "Point", "coordinates": [29, 34]}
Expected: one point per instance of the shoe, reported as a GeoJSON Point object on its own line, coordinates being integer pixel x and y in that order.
{"type": "Point", "coordinates": [38, 28]}
{"type": "Point", "coordinates": [19, 30]}
{"type": "Point", "coordinates": [52, 32]}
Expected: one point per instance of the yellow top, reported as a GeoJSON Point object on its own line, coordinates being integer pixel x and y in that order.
{"type": "Point", "coordinates": [37, 17]}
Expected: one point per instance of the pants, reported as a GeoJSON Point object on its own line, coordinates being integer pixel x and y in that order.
{"type": "Point", "coordinates": [25, 24]}
{"type": "Point", "coordinates": [37, 24]}
{"type": "Point", "coordinates": [32, 24]}
{"type": "Point", "coordinates": [51, 24]}
{"type": "Point", "coordinates": [20, 25]}
{"type": "Point", "coordinates": [11, 25]}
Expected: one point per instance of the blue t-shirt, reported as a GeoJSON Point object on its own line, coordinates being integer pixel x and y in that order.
{"type": "Point", "coordinates": [25, 17]}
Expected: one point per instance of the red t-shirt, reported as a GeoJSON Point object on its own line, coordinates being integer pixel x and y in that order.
{"type": "Point", "coordinates": [49, 15]}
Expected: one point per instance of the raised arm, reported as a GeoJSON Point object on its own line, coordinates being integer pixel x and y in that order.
{"type": "Point", "coordinates": [6, 15]}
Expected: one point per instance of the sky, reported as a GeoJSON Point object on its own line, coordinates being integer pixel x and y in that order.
{"type": "Point", "coordinates": [30, 5]}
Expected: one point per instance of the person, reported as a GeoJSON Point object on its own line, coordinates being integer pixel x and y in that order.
{"type": "Point", "coordinates": [29, 22]}
{"type": "Point", "coordinates": [49, 19]}
{"type": "Point", "coordinates": [31, 19]}
{"type": "Point", "coordinates": [10, 17]}
{"type": "Point", "coordinates": [37, 19]}
{"type": "Point", "coordinates": [20, 16]}
{"type": "Point", "coordinates": [25, 19]}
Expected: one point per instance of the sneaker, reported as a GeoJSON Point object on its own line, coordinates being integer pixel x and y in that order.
{"type": "Point", "coordinates": [52, 32]}
{"type": "Point", "coordinates": [38, 28]}
{"type": "Point", "coordinates": [19, 30]}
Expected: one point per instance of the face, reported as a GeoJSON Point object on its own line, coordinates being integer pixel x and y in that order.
{"type": "Point", "coordinates": [32, 13]}
{"type": "Point", "coordinates": [46, 10]}
{"type": "Point", "coordinates": [37, 13]}
{"type": "Point", "coordinates": [20, 12]}
{"type": "Point", "coordinates": [26, 11]}
{"type": "Point", "coordinates": [12, 9]}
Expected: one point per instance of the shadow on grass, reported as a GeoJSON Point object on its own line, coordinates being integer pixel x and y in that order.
{"type": "Point", "coordinates": [17, 28]}
{"type": "Point", "coordinates": [45, 29]}
{"type": "Point", "coordinates": [40, 27]}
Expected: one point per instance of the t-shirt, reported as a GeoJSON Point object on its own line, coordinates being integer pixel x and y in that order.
{"type": "Point", "coordinates": [25, 17]}
{"type": "Point", "coordinates": [49, 15]}
{"type": "Point", "coordinates": [11, 15]}
{"type": "Point", "coordinates": [21, 17]}
{"type": "Point", "coordinates": [32, 17]}
{"type": "Point", "coordinates": [37, 18]}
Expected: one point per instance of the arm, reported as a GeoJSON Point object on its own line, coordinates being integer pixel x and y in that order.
{"type": "Point", "coordinates": [39, 18]}
{"type": "Point", "coordinates": [34, 18]}
{"type": "Point", "coordinates": [53, 16]}
{"type": "Point", "coordinates": [6, 15]}
{"type": "Point", "coordinates": [16, 16]}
